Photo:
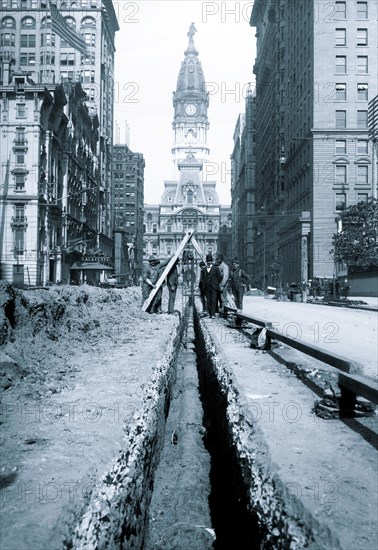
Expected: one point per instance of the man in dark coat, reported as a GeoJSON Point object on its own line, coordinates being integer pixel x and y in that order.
{"type": "Point", "coordinates": [238, 280]}
{"type": "Point", "coordinates": [210, 282]}
{"type": "Point", "coordinates": [172, 283]}
{"type": "Point", "coordinates": [202, 266]}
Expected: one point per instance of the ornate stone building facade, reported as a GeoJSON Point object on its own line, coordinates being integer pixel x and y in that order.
{"type": "Point", "coordinates": [49, 181]}
{"type": "Point", "coordinates": [29, 41]}
{"type": "Point", "coordinates": [189, 202]}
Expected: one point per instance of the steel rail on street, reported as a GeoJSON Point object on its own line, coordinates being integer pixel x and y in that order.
{"type": "Point", "coordinates": [350, 381]}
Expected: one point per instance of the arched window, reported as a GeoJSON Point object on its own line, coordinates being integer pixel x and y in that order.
{"type": "Point", "coordinates": [8, 22]}
{"type": "Point", "coordinates": [88, 22]}
{"type": "Point", "coordinates": [46, 21]}
{"type": "Point", "coordinates": [71, 22]}
{"type": "Point", "coordinates": [28, 23]}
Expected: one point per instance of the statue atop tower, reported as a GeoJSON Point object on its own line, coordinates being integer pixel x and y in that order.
{"type": "Point", "coordinates": [192, 31]}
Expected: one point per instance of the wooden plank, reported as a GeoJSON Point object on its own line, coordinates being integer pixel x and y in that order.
{"type": "Point", "coordinates": [359, 385]}
{"type": "Point", "coordinates": [168, 267]}
{"type": "Point", "coordinates": [197, 248]}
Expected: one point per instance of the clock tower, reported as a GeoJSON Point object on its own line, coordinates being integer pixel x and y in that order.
{"type": "Point", "coordinates": [190, 102]}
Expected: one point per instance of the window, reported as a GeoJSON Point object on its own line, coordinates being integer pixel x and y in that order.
{"type": "Point", "coordinates": [20, 182]}
{"type": "Point", "coordinates": [154, 228]}
{"type": "Point", "coordinates": [362, 64]}
{"type": "Point", "coordinates": [362, 119]}
{"type": "Point", "coordinates": [340, 37]}
{"type": "Point", "coordinates": [88, 22]}
{"type": "Point", "coordinates": [340, 10]}
{"type": "Point", "coordinates": [67, 58]}
{"type": "Point", "coordinates": [8, 22]}
{"type": "Point", "coordinates": [7, 39]}
{"type": "Point", "coordinates": [88, 59]}
{"type": "Point", "coordinates": [90, 38]}
{"type": "Point", "coordinates": [340, 92]}
{"type": "Point", "coordinates": [19, 212]}
{"type": "Point", "coordinates": [71, 21]}
{"type": "Point", "coordinates": [362, 91]}
{"type": "Point", "coordinates": [47, 58]}
{"type": "Point", "coordinates": [48, 39]}
{"type": "Point", "coordinates": [20, 110]}
{"type": "Point", "coordinates": [362, 197]}
{"type": "Point", "coordinates": [340, 147]}
{"type": "Point", "coordinates": [341, 64]}
{"type": "Point", "coordinates": [20, 157]}
{"type": "Point", "coordinates": [20, 136]}
{"type": "Point", "coordinates": [341, 174]}
{"type": "Point", "coordinates": [340, 119]}
{"type": "Point", "coordinates": [362, 146]}
{"type": "Point", "coordinates": [362, 174]}
{"type": "Point", "coordinates": [46, 21]}
{"type": "Point", "coordinates": [28, 41]}
{"type": "Point", "coordinates": [362, 37]}
{"type": "Point", "coordinates": [362, 10]}
{"type": "Point", "coordinates": [27, 58]}
{"type": "Point", "coordinates": [340, 201]}
{"type": "Point", "coordinates": [88, 76]}
{"type": "Point", "coordinates": [67, 75]}
{"type": "Point", "coordinates": [28, 23]}
{"type": "Point", "coordinates": [19, 235]}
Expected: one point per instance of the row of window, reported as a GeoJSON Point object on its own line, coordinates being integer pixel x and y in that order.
{"type": "Point", "coordinates": [341, 37]}
{"type": "Point", "coordinates": [341, 91]}
{"type": "Point", "coordinates": [47, 39]}
{"type": "Point", "coordinates": [341, 202]}
{"type": "Point", "coordinates": [362, 174]}
{"type": "Point", "coordinates": [341, 12]}
{"type": "Point", "coordinates": [121, 185]}
{"type": "Point", "coordinates": [361, 149]}
{"type": "Point", "coordinates": [341, 119]}
{"type": "Point", "coordinates": [30, 23]}
{"type": "Point", "coordinates": [42, 4]}
{"type": "Point", "coordinates": [361, 68]}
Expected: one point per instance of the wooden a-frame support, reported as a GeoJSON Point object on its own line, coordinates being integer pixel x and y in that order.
{"type": "Point", "coordinates": [187, 238]}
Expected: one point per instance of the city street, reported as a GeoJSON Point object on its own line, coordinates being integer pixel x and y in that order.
{"type": "Point", "coordinates": [352, 333]}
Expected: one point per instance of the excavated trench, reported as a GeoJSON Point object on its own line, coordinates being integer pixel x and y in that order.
{"type": "Point", "coordinates": [181, 484]}
{"type": "Point", "coordinates": [200, 497]}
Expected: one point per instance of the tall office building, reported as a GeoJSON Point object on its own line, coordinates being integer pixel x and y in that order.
{"type": "Point", "coordinates": [68, 41]}
{"type": "Point", "coordinates": [316, 69]}
{"type": "Point", "coordinates": [128, 205]}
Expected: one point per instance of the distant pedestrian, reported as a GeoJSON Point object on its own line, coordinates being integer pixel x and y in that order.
{"type": "Point", "coordinates": [210, 281]}
{"type": "Point", "coordinates": [172, 283]}
{"type": "Point", "coordinates": [238, 282]}
{"type": "Point", "coordinates": [223, 268]}
{"type": "Point", "coordinates": [202, 266]}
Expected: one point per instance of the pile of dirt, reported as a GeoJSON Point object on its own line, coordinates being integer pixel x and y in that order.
{"type": "Point", "coordinates": [77, 365]}
{"type": "Point", "coordinates": [36, 325]}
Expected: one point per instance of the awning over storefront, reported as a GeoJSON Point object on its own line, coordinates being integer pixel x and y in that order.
{"type": "Point", "coordinates": [90, 266]}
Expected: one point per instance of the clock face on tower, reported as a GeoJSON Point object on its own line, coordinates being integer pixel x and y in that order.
{"type": "Point", "coordinates": [190, 109]}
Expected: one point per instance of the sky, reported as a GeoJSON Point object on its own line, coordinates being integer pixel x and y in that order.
{"type": "Point", "coordinates": [150, 48]}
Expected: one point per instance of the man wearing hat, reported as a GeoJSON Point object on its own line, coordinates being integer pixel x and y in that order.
{"type": "Point", "coordinates": [238, 281]}
{"type": "Point", "coordinates": [150, 276]}
{"type": "Point", "coordinates": [210, 283]}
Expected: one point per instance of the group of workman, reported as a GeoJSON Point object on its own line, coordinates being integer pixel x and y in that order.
{"type": "Point", "coordinates": [216, 280]}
